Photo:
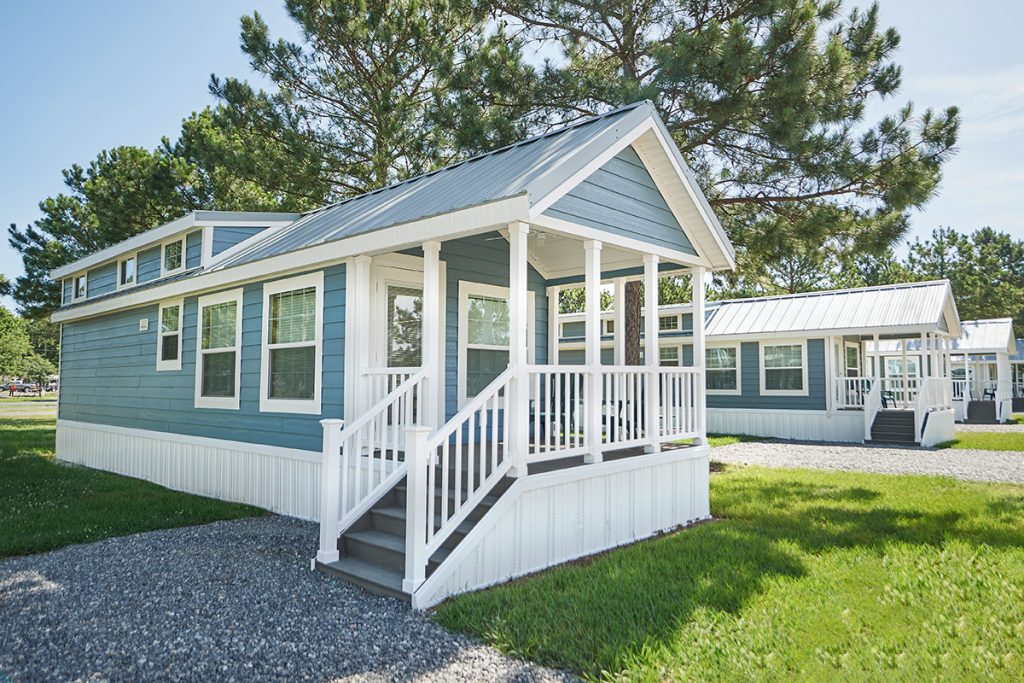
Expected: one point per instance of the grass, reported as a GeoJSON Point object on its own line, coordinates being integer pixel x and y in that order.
{"type": "Point", "coordinates": [803, 575]}
{"type": "Point", "coordinates": [46, 505]}
{"type": "Point", "coordinates": [987, 441]}
{"type": "Point", "coordinates": [47, 398]}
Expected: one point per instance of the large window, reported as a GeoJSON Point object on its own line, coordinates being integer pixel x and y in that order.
{"type": "Point", "coordinates": [218, 350]}
{"type": "Point", "coordinates": [168, 344]}
{"type": "Point", "coordinates": [784, 368]}
{"type": "Point", "coordinates": [290, 372]}
{"type": "Point", "coordinates": [484, 335]}
{"type": "Point", "coordinates": [173, 256]}
{"type": "Point", "coordinates": [126, 272]}
{"type": "Point", "coordinates": [722, 369]}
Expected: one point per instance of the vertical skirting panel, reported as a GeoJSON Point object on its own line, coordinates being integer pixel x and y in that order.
{"type": "Point", "coordinates": [547, 519]}
{"type": "Point", "coordinates": [803, 425]}
{"type": "Point", "coordinates": [285, 481]}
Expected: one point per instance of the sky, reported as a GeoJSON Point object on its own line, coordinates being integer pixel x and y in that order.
{"type": "Point", "coordinates": [77, 78]}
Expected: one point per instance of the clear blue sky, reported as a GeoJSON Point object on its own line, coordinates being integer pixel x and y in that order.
{"type": "Point", "coordinates": [81, 77]}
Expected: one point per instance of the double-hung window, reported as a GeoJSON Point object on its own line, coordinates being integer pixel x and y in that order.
{"type": "Point", "coordinates": [484, 335]}
{"type": "Point", "coordinates": [126, 272]}
{"type": "Point", "coordinates": [79, 287]}
{"type": "Point", "coordinates": [290, 370]}
{"type": "Point", "coordinates": [669, 356]}
{"type": "Point", "coordinates": [218, 350]}
{"type": "Point", "coordinates": [722, 369]}
{"type": "Point", "coordinates": [168, 343]}
{"type": "Point", "coordinates": [852, 360]}
{"type": "Point", "coordinates": [172, 257]}
{"type": "Point", "coordinates": [784, 368]}
{"type": "Point", "coordinates": [668, 323]}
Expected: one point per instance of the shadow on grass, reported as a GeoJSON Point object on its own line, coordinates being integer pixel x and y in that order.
{"type": "Point", "coordinates": [598, 617]}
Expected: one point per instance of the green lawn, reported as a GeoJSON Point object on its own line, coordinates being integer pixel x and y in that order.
{"type": "Point", "coordinates": [987, 441]}
{"type": "Point", "coordinates": [45, 505]}
{"type": "Point", "coordinates": [803, 575]}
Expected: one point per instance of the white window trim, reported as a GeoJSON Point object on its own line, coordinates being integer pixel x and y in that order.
{"type": "Point", "coordinates": [74, 288]}
{"type": "Point", "coordinates": [860, 360]}
{"type": "Point", "coordinates": [467, 288]}
{"type": "Point", "coordinates": [162, 365]}
{"type": "Point", "coordinates": [679, 353]}
{"type": "Point", "coordinates": [227, 403]}
{"type": "Point", "coordinates": [163, 249]}
{"type": "Point", "coordinates": [135, 279]}
{"type": "Point", "coordinates": [802, 343]}
{"type": "Point", "coordinates": [739, 375]}
{"type": "Point", "coordinates": [281, 405]}
{"type": "Point", "coordinates": [676, 327]}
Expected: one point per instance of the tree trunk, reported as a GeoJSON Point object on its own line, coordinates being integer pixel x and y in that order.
{"type": "Point", "coordinates": [634, 305]}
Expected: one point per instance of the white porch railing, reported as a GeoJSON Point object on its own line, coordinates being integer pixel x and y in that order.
{"type": "Point", "coordinates": [680, 387]}
{"type": "Point", "coordinates": [961, 390]}
{"type": "Point", "coordinates": [934, 393]}
{"type": "Point", "coordinates": [361, 460]}
{"type": "Point", "coordinates": [898, 392]}
{"type": "Point", "coordinates": [851, 392]}
{"type": "Point", "coordinates": [379, 382]}
{"type": "Point", "coordinates": [1018, 390]}
{"type": "Point", "coordinates": [557, 395]}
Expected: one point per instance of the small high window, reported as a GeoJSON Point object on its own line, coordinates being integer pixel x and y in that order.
{"type": "Point", "coordinates": [168, 349]}
{"type": "Point", "coordinates": [668, 323]}
{"type": "Point", "coordinates": [79, 287]}
{"type": "Point", "coordinates": [126, 272]}
{"type": "Point", "coordinates": [173, 256]}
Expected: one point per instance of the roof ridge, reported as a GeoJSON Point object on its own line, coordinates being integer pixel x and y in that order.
{"type": "Point", "coordinates": [831, 292]}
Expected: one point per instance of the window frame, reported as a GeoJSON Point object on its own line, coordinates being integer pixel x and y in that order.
{"type": "Point", "coordinates": [219, 402]}
{"type": "Point", "coordinates": [135, 277]}
{"type": "Point", "coordinates": [802, 343]}
{"type": "Point", "coordinates": [736, 370]}
{"type": "Point", "coordinates": [676, 325]}
{"type": "Point", "coordinates": [311, 406]}
{"type": "Point", "coordinates": [469, 288]}
{"type": "Point", "coordinates": [180, 239]}
{"type": "Point", "coordinates": [678, 348]}
{"type": "Point", "coordinates": [846, 359]}
{"type": "Point", "coordinates": [164, 365]}
{"type": "Point", "coordinates": [84, 276]}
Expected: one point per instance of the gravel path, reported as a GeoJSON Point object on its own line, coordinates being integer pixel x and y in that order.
{"type": "Point", "coordinates": [225, 601]}
{"type": "Point", "coordinates": [1002, 466]}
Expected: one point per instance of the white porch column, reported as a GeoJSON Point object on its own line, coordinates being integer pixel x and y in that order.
{"type": "Point", "coordinates": [877, 370]}
{"type": "Point", "coordinates": [357, 335]}
{"type": "Point", "coordinates": [905, 395]}
{"type": "Point", "coordinates": [619, 321]}
{"type": "Point", "coordinates": [430, 333]}
{"type": "Point", "coordinates": [592, 405]}
{"type": "Point", "coordinates": [554, 327]}
{"type": "Point", "coordinates": [652, 354]}
{"type": "Point", "coordinates": [518, 408]}
{"type": "Point", "coordinates": [926, 366]}
{"type": "Point", "coordinates": [699, 356]}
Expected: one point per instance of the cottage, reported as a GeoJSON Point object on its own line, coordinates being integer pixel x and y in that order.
{"type": "Point", "coordinates": [823, 366]}
{"type": "Point", "coordinates": [983, 376]}
{"type": "Point", "coordinates": [385, 364]}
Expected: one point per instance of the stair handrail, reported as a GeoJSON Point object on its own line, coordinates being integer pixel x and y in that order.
{"type": "Point", "coordinates": [872, 404]}
{"type": "Point", "coordinates": [422, 536]}
{"type": "Point", "coordinates": [342, 453]}
{"type": "Point", "coordinates": [922, 404]}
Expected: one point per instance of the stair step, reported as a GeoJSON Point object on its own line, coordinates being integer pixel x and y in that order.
{"type": "Point", "coordinates": [392, 520]}
{"type": "Point", "coordinates": [376, 547]}
{"type": "Point", "coordinates": [369, 576]}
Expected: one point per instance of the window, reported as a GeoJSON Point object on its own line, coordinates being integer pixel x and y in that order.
{"type": "Point", "coordinates": [218, 352]}
{"type": "Point", "coordinates": [168, 343]}
{"type": "Point", "coordinates": [173, 258]}
{"type": "Point", "coordinates": [783, 370]}
{"type": "Point", "coordinates": [894, 367]}
{"type": "Point", "coordinates": [484, 335]}
{"type": "Point", "coordinates": [668, 323]}
{"type": "Point", "coordinates": [290, 368]}
{"type": "Point", "coordinates": [126, 272]}
{"type": "Point", "coordinates": [609, 327]}
{"type": "Point", "coordinates": [668, 355]}
{"type": "Point", "coordinates": [722, 369]}
{"type": "Point", "coordinates": [852, 361]}
{"type": "Point", "coordinates": [405, 322]}
{"type": "Point", "coordinates": [79, 287]}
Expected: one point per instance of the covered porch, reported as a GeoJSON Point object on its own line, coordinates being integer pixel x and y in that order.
{"type": "Point", "coordinates": [984, 380]}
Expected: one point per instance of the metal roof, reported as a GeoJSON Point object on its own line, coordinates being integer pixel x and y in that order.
{"type": "Point", "coordinates": [986, 336]}
{"type": "Point", "coordinates": [533, 168]}
{"type": "Point", "coordinates": [889, 309]}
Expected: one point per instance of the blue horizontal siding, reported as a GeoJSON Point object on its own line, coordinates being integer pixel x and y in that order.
{"type": "Point", "coordinates": [149, 264]}
{"type": "Point", "coordinates": [750, 377]}
{"type": "Point", "coordinates": [225, 238]}
{"type": "Point", "coordinates": [102, 280]}
{"type": "Point", "coordinates": [194, 249]}
{"type": "Point", "coordinates": [109, 376]}
{"type": "Point", "coordinates": [66, 285]}
{"type": "Point", "coordinates": [621, 198]}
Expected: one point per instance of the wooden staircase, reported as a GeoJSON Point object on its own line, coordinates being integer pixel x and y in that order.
{"type": "Point", "coordinates": [373, 549]}
{"type": "Point", "coordinates": [894, 426]}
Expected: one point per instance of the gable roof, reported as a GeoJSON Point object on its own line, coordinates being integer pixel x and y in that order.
{"type": "Point", "coordinates": [994, 335]}
{"type": "Point", "coordinates": [885, 310]}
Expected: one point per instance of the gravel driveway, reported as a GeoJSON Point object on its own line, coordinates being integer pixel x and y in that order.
{"type": "Point", "coordinates": [225, 601]}
{"type": "Point", "coordinates": [1003, 466]}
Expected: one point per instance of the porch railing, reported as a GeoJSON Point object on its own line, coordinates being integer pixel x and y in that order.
{"type": "Point", "coordinates": [898, 392]}
{"type": "Point", "coordinates": [364, 459]}
{"type": "Point", "coordinates": [961, 390]}
{"type": "Point", "coordinates": [934, 393]}
{"type": "Point", "coordinates": [851, 392]}
{"type": "Point", "coordinates": [379, 382]}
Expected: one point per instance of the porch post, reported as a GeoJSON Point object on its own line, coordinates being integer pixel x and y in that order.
{"type": "Point", "coordinates": [926, 364]}
{"type": "Point", "coordinates": [554, 328]}
{"type": "Point", "coordinates": [519, 398]}
{"type": "Point", "coordinates": [947, 349]}
{"type": "Point", "coordinates": [877, 369]}
{"type": "Point", "coordinates": [699, 356]}
{"type": "Point", "coordinates": [652, 354]}
{"type": "Point", "coordinates": [592, 405]}
{"type": "Point", "coordinates": [619, 334]}
{"type": "Point", "coordinates": [905, 395]}
{"type": "Point", "coordinates": [429, 334]}
{"type": "Point", "coordinates": [357, 339]}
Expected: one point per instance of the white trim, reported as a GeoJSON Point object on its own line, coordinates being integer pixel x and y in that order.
{"type": "Point", "coordinates": [860, 359]}
{"type": "Point", "coordinates": [222, 402]}
{"type": "Point", "coordinates": [738, 391]}
{"type": "Point", "coordinates": [403, 270]}
{"type": "Point", "coordinates": [182, 239]}
{"type": "Point", "coordinates": [206, 246]}
{"type": "Point", "coordinates": [802, 343]}
{"type": "Point", "coordinates": [84, 275]}
{"type": "Point", "coordinates": [468, 287]}
{"type": "Point", "coordinates": [278, 405]}
{"type": "Point", "coordinates": [162, 365]}
{"type": "Point", "coordinates": [134, 256]}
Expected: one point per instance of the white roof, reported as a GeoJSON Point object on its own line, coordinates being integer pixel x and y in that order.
{"type": "Point", "coordinates": [986, 336]}
{"type": "Point", "coordinates": [903, 309]}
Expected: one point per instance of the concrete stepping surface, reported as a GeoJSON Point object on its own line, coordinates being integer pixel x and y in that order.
{"type": "Point", "coordinates": [230, 600]}
{"type": "Point", "coordinates": [960, 463]}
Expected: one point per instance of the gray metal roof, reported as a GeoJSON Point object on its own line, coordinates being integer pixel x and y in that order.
{"type": "Point", "coordinates": [533, 167]}
{"type": "Point", "coordinates": [867, 310]}
{"type": "Point", "coordinates": [986, 336]}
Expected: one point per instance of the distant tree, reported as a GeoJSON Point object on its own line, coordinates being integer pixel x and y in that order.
{"type": "Point", "coordinates": [35, 368]}
{"type": "Point", "coordinates": [44, 337]}
{"type": "Point", "coordinates": [5, 285]}
{"type": "Point", "coordinates": [14, 344]}
{"type": "Point", "coordinates": [869, 270]}
{"type": "Point", "coordinates": [574, 300]}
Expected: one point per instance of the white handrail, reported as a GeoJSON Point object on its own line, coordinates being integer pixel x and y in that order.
{"type": "Point", "coordinates": [677, 396]}
{"type": "Point", "coordinates": [851, 392]}
{"type": "Point", "coordinates": [872, 404]}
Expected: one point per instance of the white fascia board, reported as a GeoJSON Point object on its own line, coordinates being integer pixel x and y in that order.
{"type": "Point", "coordinates": [908, 332]}
{"type": "Point", "coordinates": [477, 219]}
